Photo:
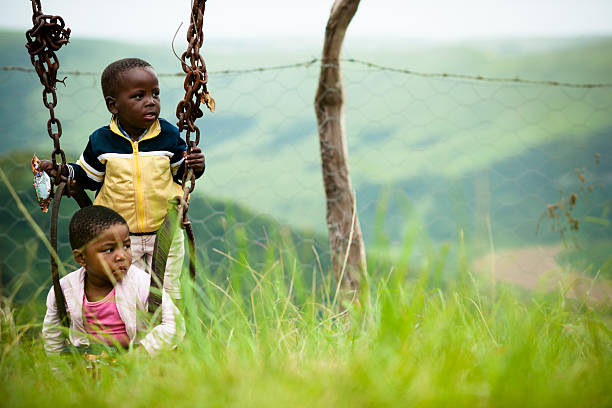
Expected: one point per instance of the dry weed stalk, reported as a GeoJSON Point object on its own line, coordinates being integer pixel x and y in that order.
{"type": "Point", "coordinates": [561, 212]}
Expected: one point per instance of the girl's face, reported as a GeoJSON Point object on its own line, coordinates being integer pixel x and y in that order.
{"type": "Point", "coordinates": [136, 103]}
{"type": "Point", "coordinates": [107, 258]}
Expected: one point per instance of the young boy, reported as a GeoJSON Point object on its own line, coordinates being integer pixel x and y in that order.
{"type": "Point", "coordinates": [106, 299]}
{"type": "Point", "coordinates": [136, 162]}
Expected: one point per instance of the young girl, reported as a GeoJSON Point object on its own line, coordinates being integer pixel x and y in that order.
{"type": "Point", "coordinates": [106, 299]}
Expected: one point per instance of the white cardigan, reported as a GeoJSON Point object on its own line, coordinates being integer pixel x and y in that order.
{"type": "Point", "coordinates": [131, 296]}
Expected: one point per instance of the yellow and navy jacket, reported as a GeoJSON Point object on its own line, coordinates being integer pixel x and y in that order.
{"type": "Point", "coordinates": [136, 179]}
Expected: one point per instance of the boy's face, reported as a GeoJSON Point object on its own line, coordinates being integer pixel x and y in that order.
{"type": "Point", "coordinates": [108, 257]}
{"type": "Point", "coordinates": [136, 102]}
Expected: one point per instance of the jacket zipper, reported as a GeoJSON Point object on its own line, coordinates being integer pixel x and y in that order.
{"type": "Point", "coordinates": [139, 207]}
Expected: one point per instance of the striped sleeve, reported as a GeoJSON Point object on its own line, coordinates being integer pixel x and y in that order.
{"type": "Point", "coordinates": [177, 161]}
{"type": "Point", "coordinates": [88, 170]}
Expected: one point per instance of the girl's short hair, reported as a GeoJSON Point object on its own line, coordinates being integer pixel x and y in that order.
{"type": "Point", "coordinates": [89, 222]}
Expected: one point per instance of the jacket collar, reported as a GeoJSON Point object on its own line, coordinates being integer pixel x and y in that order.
{"type": "Point", "coordinates": [126, 299]}
{"type": "Point", "coordinates": [152, 131]}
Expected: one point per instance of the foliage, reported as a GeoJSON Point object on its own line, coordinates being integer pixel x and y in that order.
{"type": "Point", "coordinates": [262, 337]}
{"type": "Point", "coordinates": [263, 330]}
{"type": "Point", "coordinates": [472, 147]}
{"type": "Point", "coordinates": [594, 258]}
{"type": "Point", "coordinates": [219, 226]}
{"type": "Point", "coordinates": [264, 326]}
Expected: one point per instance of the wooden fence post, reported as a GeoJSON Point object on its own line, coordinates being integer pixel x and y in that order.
{"type": "Point", "coordinates": [342, 224]}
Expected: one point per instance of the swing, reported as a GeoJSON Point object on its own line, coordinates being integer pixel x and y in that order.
{"type": "Point", "coordinates": [47, 36]}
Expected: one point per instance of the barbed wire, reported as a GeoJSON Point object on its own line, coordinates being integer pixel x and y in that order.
{"type": "Point", "coordinates": [485, 156]}
{"type": "Point", "coordinates": [478, 77]}
{"type": "Point", "coordinates": [180, 74]}
{"type": "Point", "coordinates": [438, 75]}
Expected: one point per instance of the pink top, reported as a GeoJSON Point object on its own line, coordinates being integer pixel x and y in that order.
{"type": "Point", "coordinates": [103, 322]}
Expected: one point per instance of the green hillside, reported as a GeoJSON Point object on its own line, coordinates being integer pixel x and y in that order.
{"type": "Point", "coordinates": [223, 230]}
{"type": "Point", "coordinates": [456, 151]}
{"type": "Point", "coordinates": [434, 160]}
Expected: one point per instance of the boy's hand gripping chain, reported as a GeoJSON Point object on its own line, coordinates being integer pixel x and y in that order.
{"type": "Point", "coordinates": [187, 111]}
{"type": "Point", "coordinates": [48, 35]}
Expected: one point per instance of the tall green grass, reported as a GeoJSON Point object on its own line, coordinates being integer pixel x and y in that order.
{"type": "Point", "coordinates": [273, 336]}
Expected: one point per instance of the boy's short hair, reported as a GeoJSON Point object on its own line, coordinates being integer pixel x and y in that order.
{"type": "Point", "coordinates": [113, 72]}
{"type": "Point", "coordinates": [89, 222]}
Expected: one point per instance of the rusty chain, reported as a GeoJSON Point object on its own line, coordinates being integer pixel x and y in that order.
{"type": "Point", "coordinates": [196, 92]}
{"type": "Point", "coordinates": [47, 36]}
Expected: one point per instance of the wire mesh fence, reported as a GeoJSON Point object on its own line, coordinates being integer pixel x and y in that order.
{"type": "Point", "coordinates": [434, 158]}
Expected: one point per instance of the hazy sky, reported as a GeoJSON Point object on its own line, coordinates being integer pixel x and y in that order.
{"type": "Point", "coordinates": [157, 20]}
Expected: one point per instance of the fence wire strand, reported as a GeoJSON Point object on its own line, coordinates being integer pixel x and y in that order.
{"type": "Point", "coordinates": [439, 75]}
{"type": "Point", "coordinates": [430, 154]}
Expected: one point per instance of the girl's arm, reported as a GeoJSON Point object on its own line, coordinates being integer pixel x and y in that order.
{"type": "Point", "coordinates": [169, 332]}
{"type": "Point", "coordinates": [53, 333]}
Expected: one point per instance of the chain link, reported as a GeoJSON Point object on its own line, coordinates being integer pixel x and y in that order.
{"type": "Point", "coordinates": [47, 36]}
{"type": "Point", "coordinates": [196, 92]}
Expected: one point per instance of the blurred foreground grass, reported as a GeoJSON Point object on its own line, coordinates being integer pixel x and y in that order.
{"type": "Point", "coordinates": [277, 336]}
